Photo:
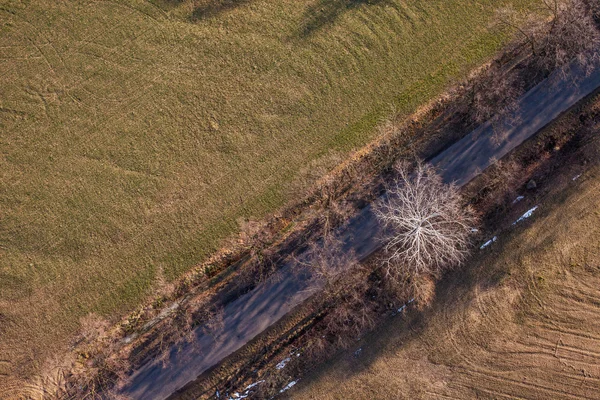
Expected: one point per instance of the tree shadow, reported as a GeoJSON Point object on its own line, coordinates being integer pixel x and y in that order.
{"type": "Point", "coordinates": [212, 8]}
{"type": "Point", "coordinates": [316, 17]}
{"type": "Point", "coordinates": [166, 5]}
{"type": "Point", "coordinates": [453, 292]}
{"type": "Point", "coordinates": [325, 12]}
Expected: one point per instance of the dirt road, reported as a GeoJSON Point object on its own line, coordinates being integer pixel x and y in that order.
{"type": "Point", "coordinates": [252, 313]}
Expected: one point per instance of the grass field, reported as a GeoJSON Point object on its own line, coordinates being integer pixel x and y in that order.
{"type": "Point", "coordinates": [135, 134]}
{"type": "Point", "coordinates": [521, 322]}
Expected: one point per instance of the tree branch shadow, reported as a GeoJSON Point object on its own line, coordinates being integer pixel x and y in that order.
{"type": "Point", "coordinates": [321, 14]}
{"type": "Point", "coordinates": [325, 13]}
{"type": "Point", "coordinates": [211, 8]}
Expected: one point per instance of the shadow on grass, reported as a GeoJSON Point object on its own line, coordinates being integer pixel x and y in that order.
{"type": "Point", "coordinates": [325, 12]}
{"type": "Point", "coordinates": [317, 16]}
{"type": "Point", "coordinates": [212, 8]}
{"type": "Point", "coordinates": [166, 5]}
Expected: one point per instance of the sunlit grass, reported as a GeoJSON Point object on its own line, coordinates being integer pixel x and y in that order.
{"type": "Point", "coordinates": [135, 134]}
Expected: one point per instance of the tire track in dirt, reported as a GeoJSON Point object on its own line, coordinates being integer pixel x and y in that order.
{"type": "Point", "coordinates": [5, 368]}
{"type": "Point", "coordinates": [507, 383]}
{"type": "Point", "coordinates": [556, 354]}
{"type": "Point", "coordinates": [17, 389]}
{"type": "Point", "coordinates": [571, 362]}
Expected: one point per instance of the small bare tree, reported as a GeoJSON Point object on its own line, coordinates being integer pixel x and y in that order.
{"type": "Point", "coordinates": [572, 33]}
{"type": "Point", "coordinates": [493, 96]}
{"type": "Point", "coordinates": [342, 290]}
{"type": "Point", "coordinates": [428, 227]}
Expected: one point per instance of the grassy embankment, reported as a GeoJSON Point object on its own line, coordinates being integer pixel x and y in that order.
{"type": "Point", "coordinates": [521, 321]}
{"type": "Point", "coordinates": [136, 134]}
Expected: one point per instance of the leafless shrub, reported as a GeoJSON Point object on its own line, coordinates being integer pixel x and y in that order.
{"type": "Point", "coordinates": [215, 324]}
{"type": "Point", "coordinates": [347, 322]}
{"type": "Point", "coordinates": [92, 327]}
{"type": "Point", "coordinates": [183, 322]}
{"type": "Point", "coordinates": [327, 262]}
{"type": "Point", "coordinates": [333, 211]}
{"type": "Point", "coordinates": [104, 369]}
{"type": "Point", "coordinates": [259, 269]}
{"type": "Point", "coordinates": [314, 179]}
{"type": "Point", "coordinates": [428, 226]}
{"type": "Point", "coordinates": [342, 291]}
{"type": "Point", "coordinates": [405, 286]}
{"type": "Point", "coordinates": [501, 177]}
{"type": "Point", "coordinates": [316, 347]}
{"type": "Point", "coordinates": [571, 34]}
{"type": "Point", "coordinates": [253, 233]}
{"type": "Point", "coordinates": [492, 95]}
{"type": "Point", "coordinates": [164, 288]}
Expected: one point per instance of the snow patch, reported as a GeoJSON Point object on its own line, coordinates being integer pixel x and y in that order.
{"type": "Point", "coordinates": [486, 244]}
{"type": "Point", "coordinates": [253, 385]}
{"type": "Point", "coordinates": [357, 352]}
{"type": "Point", "coordinates": [288, 386]}
{"type": "Point", "coordinates": [518, 199]}
{"type": "Point", "coordinates": [405, 305]}
{"type": "Point", "coordinates": [526, 215]}
{"type": "Point", "coordinates": [282, 364]}
{"type": "Point", "coordinates": [246, 393]}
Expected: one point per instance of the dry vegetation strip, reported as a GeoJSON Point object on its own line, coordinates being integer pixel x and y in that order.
{"type": "Point", "coordinates": [523, 321]}
{"type": "Point", "coordinates": [135, 134]}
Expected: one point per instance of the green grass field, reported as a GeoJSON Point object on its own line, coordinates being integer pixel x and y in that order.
{"type": "Point", "coordinates": [135, 134]}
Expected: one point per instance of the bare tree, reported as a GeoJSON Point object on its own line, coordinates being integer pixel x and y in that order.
{"type": "Point", "coordinates": [342, 290]}
{"type": "Point", "coordinates": [493, 96]}
{"type": "Point", "coordinates": [328, 262]}
{"type": "Point", "coordinates": [568, 36]}
{"type": "Point", "coordinates": [571, 34]}
{"type": "Point", "coordinates": [428, 227]}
